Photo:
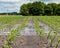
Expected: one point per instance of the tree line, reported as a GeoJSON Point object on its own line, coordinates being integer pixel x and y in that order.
{"type": "Point", "coordinates": [40, 8]}
{"type": "Point", "coordinates": [12, 13]}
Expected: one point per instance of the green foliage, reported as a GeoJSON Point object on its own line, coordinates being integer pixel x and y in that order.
{"type": "Point", "coordinates": [58, 10]}
{"type": "Point", "coordinates": [49, 35]}
{"type": "Point", "coordinates": [14, 33]}
{"type": "Point", "coordinates": [40, 8]}
{"type": "Point", "coordinates": [9, 42]}
{"type": "Point", "coordinates": [6, 45]}
{"type": "Point", "coordinates": [57, 43]}
{"type": "Point", "coordinates": [51, 21]}
{"type": "Point", "coordinates": [37, 8]}
{"type": "Point", "coordinates": [48, 10]}
{"type": "Point", "coordinates": [24, 10]}
{"type": "Point", "coordinates": [41, 32]}
{"type": "Point", "coordinates": [38, 29]}
{"type": "Point", "coordinates": [54, 8]}
{"type": "Point", "coordinates": [52, 39]}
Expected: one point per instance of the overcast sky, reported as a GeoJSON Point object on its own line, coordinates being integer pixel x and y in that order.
{"type": "Point", "coordinates": [14, 5]}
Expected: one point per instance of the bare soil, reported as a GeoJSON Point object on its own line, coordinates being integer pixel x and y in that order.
{"type": "Point", "coordinates": [29, 42]}
{"type": "Point", "coordinates": [3, 38]}
{"type": "Point", "coordinates": [4, 34]}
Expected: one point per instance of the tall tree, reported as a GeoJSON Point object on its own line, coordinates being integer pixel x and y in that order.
{"type": "Point", "coordinates": [48, 10]}
{"type": "Point", "coordinates": [29, 5]}
{"type": "Point", "coordinates": [54, 7]}
{"type": "Point", "coordinates": [40, 8]}
{"type": "Point", "coordinates": [37, 8]}
{"type": "Point", "coordinates": [24, 10]}
{"type": "Point", "coordinates": [58, 10]}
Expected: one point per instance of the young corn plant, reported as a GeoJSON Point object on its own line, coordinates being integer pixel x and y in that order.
{"type": "Point", "coordinates": [48, 36]}
{"type": "Point", "coordinates": [38, 29]}
{"type": "Point", "coordinates": [52, 39]}
{"type": "Point", "coordinates": [13, 34]}
{"type": "Point", "coordinates": [9, 42]}
{"type": "Point", "coordinates": [6, 45]}
{"type": "Point", "coordinates": [57, 43]}
{"type": "Point", "coordinates": [41, 32]}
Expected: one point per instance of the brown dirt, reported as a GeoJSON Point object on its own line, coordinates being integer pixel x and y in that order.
{"type": "Point", "coordinates": [29, 42]}
{"type": "Point", "coordinates": [3, 38]}
{"type": "Point", "coordinates": [33, 41]}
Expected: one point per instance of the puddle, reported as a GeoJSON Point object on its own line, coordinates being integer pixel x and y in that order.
{"type": "Point", "coordinates": [45, 27]}
{"type": "Point", "coordinates": [29, 30]}
{"type": "Point", "coordinates": [6, 31]}
{"type": "Point", "coordinates": [15, 26]}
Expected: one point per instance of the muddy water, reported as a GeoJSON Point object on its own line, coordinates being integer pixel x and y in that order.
{"type": "Point", "coordinates": [46, 28]}
{"type": "Point", "coordinates": [29, 30]}
{"type": "Point", "coordinates": [6, 31]}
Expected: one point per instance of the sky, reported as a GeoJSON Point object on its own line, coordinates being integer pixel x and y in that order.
{"type": "Point", "coordinates": [14, 5]}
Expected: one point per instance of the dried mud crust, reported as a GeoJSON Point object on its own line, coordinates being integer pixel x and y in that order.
{"type": "Point", "coordinates": [3, 38]}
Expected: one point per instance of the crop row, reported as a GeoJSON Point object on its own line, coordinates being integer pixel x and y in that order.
{"type": "Point", "coordinates": [52, 21]}
{"type": "Point", "coordinates": [15, 33]}
{"type": "Point", "coordinates": [8, 22]}
{"type": "Point", "coordinates": [51, 36]}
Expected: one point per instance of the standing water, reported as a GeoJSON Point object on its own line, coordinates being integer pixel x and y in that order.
{"type": "Point", "coordinates": [30, 29]}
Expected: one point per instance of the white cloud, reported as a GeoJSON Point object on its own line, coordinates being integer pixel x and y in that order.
{"type": "Point", "coordinates": [14, 5]}
{"type": "Point", "coordinates": [52, 1]}
{"type": "Point", "coordinates": [10, 0]}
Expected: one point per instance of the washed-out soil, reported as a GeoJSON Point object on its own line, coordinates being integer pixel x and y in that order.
{"type": "Point", "coordinates": [3, 38]}
{"type": "Point", "coordinates": [4, 34]}
{"type": "Point", "coordinates": [29, 38]}
{"type": "Point", "coordinates": [31, 42]}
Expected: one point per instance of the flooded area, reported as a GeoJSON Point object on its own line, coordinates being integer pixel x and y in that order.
{"type": "Point", "coordinates": [46, 28]}
{"type": "Point", "coordinates": [29, 36]}
{"type": "Point", "coordinates": [29, 30]}
{"type": "Point", "coordinates": [4, 34]}
{"type": "Point", "coordinates": [6, 31]}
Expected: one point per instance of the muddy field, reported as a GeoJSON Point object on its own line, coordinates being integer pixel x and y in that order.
{"type": "Point", "coordinates": [29, 37]}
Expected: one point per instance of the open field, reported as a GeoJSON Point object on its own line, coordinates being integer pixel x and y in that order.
{"type": "Point", "coordinates": [29, 32]}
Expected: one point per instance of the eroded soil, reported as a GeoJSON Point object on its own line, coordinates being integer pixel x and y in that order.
{"type": "Point", "coordinates": [29, 37]}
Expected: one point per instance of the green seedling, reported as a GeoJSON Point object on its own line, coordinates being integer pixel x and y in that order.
{"type": "Point", "coordinates": [13, 34]}
{"type": "Point", "coordinates": [49, 35]}
{"type": "Point", "coordinates": [52, 39]}
{"type": "Point", "coordinates": [41, 32]}
{"type": "Point", "coordinates": [6, 45]}
{"type": "Point", "coordinates": [57, 43]}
